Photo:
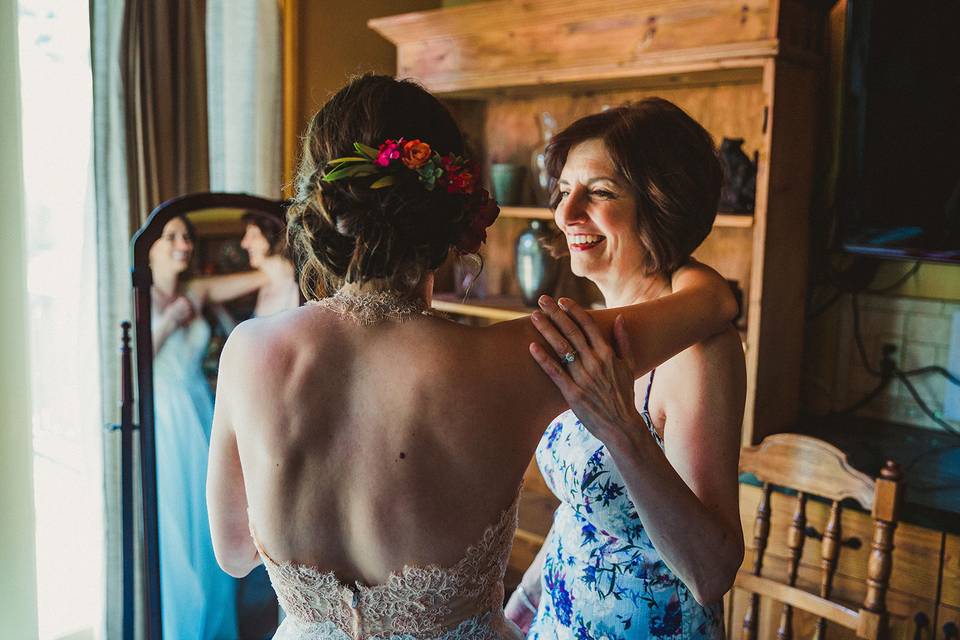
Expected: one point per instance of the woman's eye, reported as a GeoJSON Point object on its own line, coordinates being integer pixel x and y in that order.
{"type": "Point", "coordinates": [603, 193]}
{"type": "Point", "coordinates": [564, 194]}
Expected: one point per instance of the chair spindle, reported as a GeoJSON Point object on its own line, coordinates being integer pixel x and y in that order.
{"type": "Point", "coordinates": [880, 562]}
{"type": "Point", "coordinates": [761, 533]}
{"type": "Point", "coordinates": [796, 536]}
{"type": "Point", "coordinates": [829, 553]}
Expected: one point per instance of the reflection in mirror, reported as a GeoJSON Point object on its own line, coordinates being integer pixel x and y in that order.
{"type": "Point", "coordinates": [211, 269]}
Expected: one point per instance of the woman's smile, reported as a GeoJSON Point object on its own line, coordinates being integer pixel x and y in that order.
{"type": "Point", "coordinates": [584, 241]}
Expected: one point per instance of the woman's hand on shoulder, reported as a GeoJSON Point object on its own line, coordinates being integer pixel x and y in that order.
{"type": "Point", "coordinates": [595, 377]}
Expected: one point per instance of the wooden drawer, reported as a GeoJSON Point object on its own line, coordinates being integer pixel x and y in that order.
{"type": "Point", "coordinates": [950, 589]}
{"type": "Point", "coordinates": [948, 623]}
{"type": "Point", "coordinates": [916, 555]}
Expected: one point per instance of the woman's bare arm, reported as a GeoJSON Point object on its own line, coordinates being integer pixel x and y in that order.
{"type": "Point", "coordinates": [701, 306]}
{"type": "Point", "coordinates": [222, 288]}
{"type": "Point", "coordinates": [226, 493]}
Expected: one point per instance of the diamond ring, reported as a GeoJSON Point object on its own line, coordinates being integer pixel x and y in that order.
{"type": "Point", "coordinates": [569, 357]}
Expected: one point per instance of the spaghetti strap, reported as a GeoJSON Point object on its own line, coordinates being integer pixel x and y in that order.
{"type": "Point", "coordinates": [646, 399]}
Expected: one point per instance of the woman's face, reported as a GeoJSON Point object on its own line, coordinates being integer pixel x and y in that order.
{"type": "Point", "coordinates": [597, 213]}
{"type": "Point", "coordinates": [255, 244]}
{"type": "Point", "coordinates": [172, 252]}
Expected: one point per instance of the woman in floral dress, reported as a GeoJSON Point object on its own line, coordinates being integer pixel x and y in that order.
{"type": "Point", "coordinates": [647, 537]}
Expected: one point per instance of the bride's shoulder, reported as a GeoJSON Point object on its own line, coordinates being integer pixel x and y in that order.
{"type": "Point", "coordinates": [271, 340]}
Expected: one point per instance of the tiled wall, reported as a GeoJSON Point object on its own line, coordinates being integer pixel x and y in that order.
{"type": "Point", "coordinates": [919, 328]}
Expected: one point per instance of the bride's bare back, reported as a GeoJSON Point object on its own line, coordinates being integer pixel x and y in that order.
{"type": "Point", "coordinates": [367, 448]}
{"type": "Point", "coordinates": [362, 449]}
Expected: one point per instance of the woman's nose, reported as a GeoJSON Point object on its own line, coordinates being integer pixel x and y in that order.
{"type": "Point", "coordinates": [571, 209]}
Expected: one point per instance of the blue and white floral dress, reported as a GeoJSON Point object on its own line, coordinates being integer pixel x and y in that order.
{"type": "Point", "coordinates": [602, 577]}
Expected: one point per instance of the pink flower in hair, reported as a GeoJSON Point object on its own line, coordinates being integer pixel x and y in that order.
{"type": "Point", "coordinates": [389, 151]}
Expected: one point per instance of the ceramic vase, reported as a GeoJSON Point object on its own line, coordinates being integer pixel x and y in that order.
{"type": "Point", "coordinates": [538, 165]}
{"type": "Point", "coordinates": [507, 180]}
{"type": "Point", "coordinates": [537, 270]}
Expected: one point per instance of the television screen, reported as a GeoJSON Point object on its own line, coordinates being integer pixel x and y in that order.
{"type": "Point", "coordinates": [899, 190]}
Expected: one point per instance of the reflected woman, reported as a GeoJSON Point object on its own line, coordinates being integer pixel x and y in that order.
{"type": "Point", "coordinates": [198, 597]}
{"type": "Point", "coordinates": [265, 241]}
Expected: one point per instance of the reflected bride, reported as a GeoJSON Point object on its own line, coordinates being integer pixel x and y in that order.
{"type": "Point", "coordinates": [198, 597]}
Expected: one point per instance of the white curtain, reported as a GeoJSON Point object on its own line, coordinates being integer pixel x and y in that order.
{"type": "Point", "coordinates": [112, 230]}
{"type": "Point", "coordinates": [61, 284]}
{"type": "Point", "coordinates": [244, 96]}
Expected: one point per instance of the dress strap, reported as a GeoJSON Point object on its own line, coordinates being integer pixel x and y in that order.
{"type": "Point", "coordinates": [645, 414]}
{"type": "Point", "coordinates": [646, 399]}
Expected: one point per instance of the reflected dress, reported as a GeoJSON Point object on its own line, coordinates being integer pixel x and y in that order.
{"type": "Point", "coordinates": [197, 597]}
{"type": "Point", "coordinates": [602, 578]}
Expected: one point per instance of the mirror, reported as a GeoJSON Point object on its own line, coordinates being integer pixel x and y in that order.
{"type": "Point", "coordinates": [201, 264]}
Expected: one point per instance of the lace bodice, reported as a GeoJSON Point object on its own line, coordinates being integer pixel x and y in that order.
{"type": "Point", "coordinates": [463, 601]}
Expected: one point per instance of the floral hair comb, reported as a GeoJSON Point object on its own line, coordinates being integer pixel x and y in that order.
{"type": "Point", "coordinates": [450, 172]}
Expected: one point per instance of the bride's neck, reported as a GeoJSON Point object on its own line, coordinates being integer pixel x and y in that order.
{"type": "Point", "coordinates": [423, 290]}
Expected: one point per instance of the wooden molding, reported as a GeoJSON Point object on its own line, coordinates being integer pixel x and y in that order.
{"type": "Point", "coordinates": [514, 43]}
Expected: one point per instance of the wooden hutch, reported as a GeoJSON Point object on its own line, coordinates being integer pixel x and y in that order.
{"type": "Point", "coordinates": [744, 69]}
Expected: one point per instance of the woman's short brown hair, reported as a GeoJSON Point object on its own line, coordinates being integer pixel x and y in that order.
{"type": "Point", "coordinates": [272, 228]}
{"type": "Point", "coordinates": [344, 231]}
{"type": "Point", "coordinates": [671, 164]}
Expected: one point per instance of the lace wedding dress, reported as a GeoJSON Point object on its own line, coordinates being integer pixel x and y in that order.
{"type": "Point", "coordinates": [463, 601]}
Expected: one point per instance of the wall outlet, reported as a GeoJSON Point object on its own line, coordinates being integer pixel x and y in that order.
{"type": "Point", "coordinates": [951, 399]}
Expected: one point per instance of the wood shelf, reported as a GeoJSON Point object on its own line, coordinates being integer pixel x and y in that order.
{"type": "Point", "coordinates": [468, 52]}
{"type": "Point", "coordinates": [726, 220]}
{"type": "Point", "coordinates": [529, 213]}
{"type": "Point", "coordinates": [496, 308]}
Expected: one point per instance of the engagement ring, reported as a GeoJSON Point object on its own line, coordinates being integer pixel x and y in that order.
{"type": "Point", "coordinates": [569, 357]}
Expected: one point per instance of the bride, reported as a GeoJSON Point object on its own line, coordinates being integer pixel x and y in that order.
{"type": "Point", "coordinates": [367, 451]}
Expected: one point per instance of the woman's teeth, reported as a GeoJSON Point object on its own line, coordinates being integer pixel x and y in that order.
{"type": "Point", "coordinates": [584, 241]}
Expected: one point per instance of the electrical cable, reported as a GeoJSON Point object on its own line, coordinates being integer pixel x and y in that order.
{"type": "Point", "coordinates": [902, 279]}
{"type": "Point", "coordinates": [842, 288]}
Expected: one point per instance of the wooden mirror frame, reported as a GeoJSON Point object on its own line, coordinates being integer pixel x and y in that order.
{"type": "Point", "coordinates": [142, 278]}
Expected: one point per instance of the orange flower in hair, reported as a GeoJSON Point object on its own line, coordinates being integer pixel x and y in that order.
{"type": "Point", "coordinates": [457, 175]}
{"type": "Point", "coordinates": [415, 154]}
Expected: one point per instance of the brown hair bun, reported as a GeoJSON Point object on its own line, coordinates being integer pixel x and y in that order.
{"type": "Point", "coordinates": [344, 231]}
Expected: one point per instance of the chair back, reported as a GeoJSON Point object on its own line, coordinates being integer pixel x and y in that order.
{"type": "Point", "coordinates": [810, 466]}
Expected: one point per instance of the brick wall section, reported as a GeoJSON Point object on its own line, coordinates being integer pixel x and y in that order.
{"type": "Point", "coordinates": [920, 329]}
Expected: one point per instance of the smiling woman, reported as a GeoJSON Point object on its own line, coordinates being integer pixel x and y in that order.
{"type": "Point", "coordinates": [637, 189]}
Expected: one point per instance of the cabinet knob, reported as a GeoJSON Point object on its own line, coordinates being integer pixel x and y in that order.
{"type": "Point", "coordinates": [921, 623]}
{"type": "Point", "coordinates": [852, 542]}
{"type": "Point", "coordinates": [951, 631]}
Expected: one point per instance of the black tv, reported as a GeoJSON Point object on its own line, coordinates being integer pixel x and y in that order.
{"type": "Point", "coordinates": [898, 192]}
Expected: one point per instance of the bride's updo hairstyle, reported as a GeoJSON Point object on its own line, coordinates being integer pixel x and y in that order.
{"type": "Point", "coordinates": [347, 232]}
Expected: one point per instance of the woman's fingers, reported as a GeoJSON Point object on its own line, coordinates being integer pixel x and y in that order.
{"type": "Point", "coordinates": [585, 323]}
{"type": "Point", "coordinates": [564, 323]}
{"type": "Point", "coordinates": [553, 369]}
{"type": "Point", "coordinates": [551, 334]}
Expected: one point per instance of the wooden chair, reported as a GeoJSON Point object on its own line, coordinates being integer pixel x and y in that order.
{"type": "Point", "coordinates": [813, 467]}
